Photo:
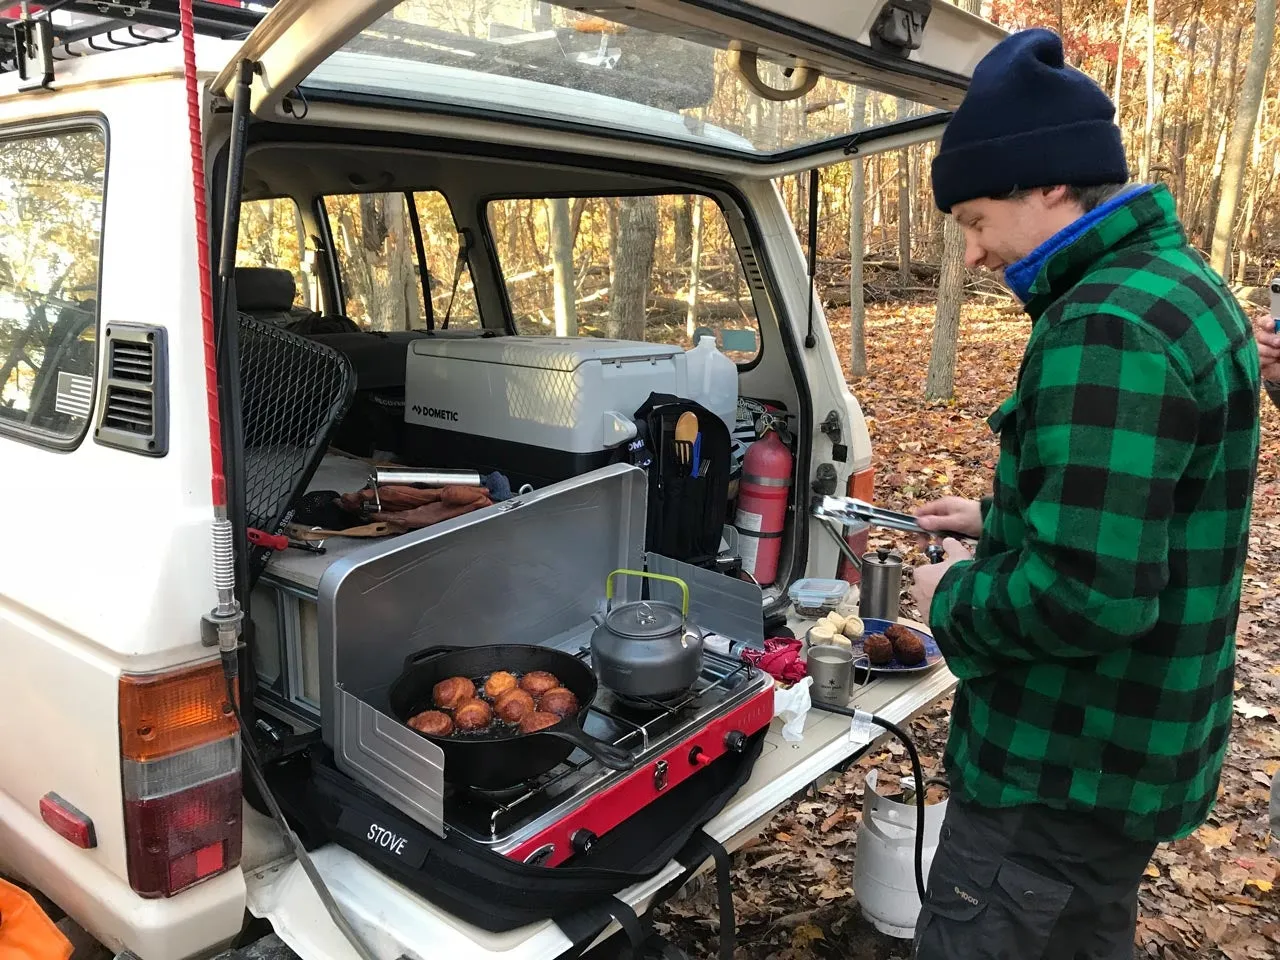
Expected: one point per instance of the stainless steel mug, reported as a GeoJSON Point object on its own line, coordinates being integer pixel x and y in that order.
{"type": "Point", "coordinates": [881, 586]}
{"type": "Point", "coordinates": [831, 668]}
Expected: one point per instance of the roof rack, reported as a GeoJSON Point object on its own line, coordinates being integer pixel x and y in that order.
{"type": "Point", "coordinates": [88, 27]}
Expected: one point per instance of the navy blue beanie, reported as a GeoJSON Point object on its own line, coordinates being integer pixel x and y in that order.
{"type": "Point", "coordinates": [1028, 120]}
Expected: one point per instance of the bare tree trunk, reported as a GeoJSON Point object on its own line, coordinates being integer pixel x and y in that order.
{"type": "Point", "coordinates": [875, 188]}
{"type": "Point", "coordinates": [682, 223]}
{"type": "Point", "coordinates": [695, 266]}
{"type": "Point", "coordinates": [1124, 39]}
{"type": "Point", "coordinates": [904, 218]}
{"type": "Point", "coordinates": [612, 216]}
{"type": "Point", "coordinates": [1149, 122]}
{"type": "Point", "coordinates": [1184, 122]}
{"type": "Point", "coordinates": [632, 266]}
{"type": "Point", "coordinates": [561, 230]}
{"type": "Point", "coordinates": [406, 290]}
{"type": "Point", "coordinates": [1248, 220]}
{"type": "Point", "coordinates": [1219, 159]}
{"type": "Point", "coordinates": [940, 382]}
{"type": "Point", "coordinates": [858, 249]}
{"type": "Point", "coordinates": [1237, 156]}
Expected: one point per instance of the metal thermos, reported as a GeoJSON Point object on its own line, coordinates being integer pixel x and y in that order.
{"type": "Point", "coordinates": [881, 585]}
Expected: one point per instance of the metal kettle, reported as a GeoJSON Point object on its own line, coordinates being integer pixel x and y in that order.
{"type": "Point", "coordinates": [646, 648]}
{"type": "Point", "coordinates": [881, 586]}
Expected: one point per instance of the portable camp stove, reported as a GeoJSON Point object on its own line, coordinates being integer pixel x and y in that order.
{"type": "Point", "coordinates": [567, 810]}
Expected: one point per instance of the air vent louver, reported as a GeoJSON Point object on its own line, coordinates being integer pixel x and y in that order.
{"type": "Point", "coordinates": [133, 412]}
{"type": "Point", "coordinates": [130, 411]}
{"type": "Point", "coordinates": [131, 361]}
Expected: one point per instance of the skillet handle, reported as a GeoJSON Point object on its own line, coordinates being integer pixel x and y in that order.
{"type": "Point", "coordinates": [615, 758]}
{"type": "Point", "coordinates": [422, 656]}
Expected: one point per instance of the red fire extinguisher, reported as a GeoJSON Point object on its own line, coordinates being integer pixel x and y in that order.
{"type": "Point", "coordinates": [763, 494]}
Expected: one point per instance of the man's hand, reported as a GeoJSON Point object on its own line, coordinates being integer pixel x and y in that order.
{"type": "Point", "coordinates": [956, 514]}
{"type": "Point", "coordinates": [925, 579]}
{"type": "Point", "coordinates": [1264, 332]}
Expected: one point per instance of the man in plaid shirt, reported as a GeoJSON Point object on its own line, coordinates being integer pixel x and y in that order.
{"type": "Point", "coordinates": [1092, 631]}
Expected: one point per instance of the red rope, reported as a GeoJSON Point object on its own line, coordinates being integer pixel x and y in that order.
{"type": "Point", "coordinates": [219, 480]}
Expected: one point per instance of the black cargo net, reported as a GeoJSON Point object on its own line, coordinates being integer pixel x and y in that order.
{"type": "Point", "coordinates": [293, 392]}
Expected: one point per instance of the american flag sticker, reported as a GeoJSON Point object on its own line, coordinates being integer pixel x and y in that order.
{"type": "Point", "coordinates": [75, 394]}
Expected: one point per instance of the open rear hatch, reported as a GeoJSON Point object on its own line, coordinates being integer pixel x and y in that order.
{"type": "Point", "coordinates": [692, 73]}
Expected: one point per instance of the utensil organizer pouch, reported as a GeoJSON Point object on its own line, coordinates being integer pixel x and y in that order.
{"type": "Point", "coordinates": [686, 514]}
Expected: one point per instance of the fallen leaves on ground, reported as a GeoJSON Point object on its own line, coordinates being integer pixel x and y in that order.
{"type": "Point", "coordinates": [1211, 895]}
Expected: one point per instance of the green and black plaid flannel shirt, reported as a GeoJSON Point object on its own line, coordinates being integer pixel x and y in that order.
{"type": "Point", "coordinates": [1093, 633]}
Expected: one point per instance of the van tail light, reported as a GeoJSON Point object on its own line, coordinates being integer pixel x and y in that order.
{"type": "Point", "coordinates": [862, 485]}
{"type": "Point", "coordinates": [180, 767]}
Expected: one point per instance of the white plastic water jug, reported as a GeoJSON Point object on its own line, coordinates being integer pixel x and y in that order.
{"type": "Point", "coordinates": [713, 380]}
{"type": "Point", "coordinates": [884, 871]}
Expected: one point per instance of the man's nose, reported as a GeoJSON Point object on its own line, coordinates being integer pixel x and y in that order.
{"type": "Point", "coordinates": [974, 254]}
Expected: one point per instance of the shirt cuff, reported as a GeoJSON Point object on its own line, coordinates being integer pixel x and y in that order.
{"type": "Point", "coordinates": [940, 606]}
{"type": "Point", "coordinates": [984, 507]}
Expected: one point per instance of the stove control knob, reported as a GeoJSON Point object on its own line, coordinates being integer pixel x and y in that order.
{"type": "Point", "coordinates": [698, 757]}
{"type": "Point", "coordinates": [735, 741]}
{"type": "Point", "coordinates": [583, 840]}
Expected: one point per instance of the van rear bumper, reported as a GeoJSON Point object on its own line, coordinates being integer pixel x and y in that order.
{"type": "Point", "coordinates": [193, 923]}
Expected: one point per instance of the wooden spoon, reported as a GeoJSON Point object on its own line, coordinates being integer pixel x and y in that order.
{"type": "Point", "coordinates": [686, 433]}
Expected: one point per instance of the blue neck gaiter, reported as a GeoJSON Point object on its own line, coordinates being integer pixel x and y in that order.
{"type": "Point", "coordinates": [1020, 276]}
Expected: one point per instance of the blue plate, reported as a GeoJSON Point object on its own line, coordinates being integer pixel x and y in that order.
{"type": "Point", "coordinates": [932, 655]}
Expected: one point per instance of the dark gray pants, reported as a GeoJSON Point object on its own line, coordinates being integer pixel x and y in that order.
{"type": "Point", "coordinates": [1030, 883]}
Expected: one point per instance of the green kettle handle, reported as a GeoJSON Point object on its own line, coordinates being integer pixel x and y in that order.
{"type": "Point", "coordinates": [684, 587]}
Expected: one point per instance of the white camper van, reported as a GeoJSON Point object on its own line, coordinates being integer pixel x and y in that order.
{"type": "Point", "coordinates": [347, 244]}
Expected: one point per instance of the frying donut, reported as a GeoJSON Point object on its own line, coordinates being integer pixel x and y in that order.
{"type": "Point", "coordinates": [451, 693]}
{"type": "Point", "coordinates": [559, 701]}
{"type": "Point", "coordinates": [433, 723]}
{"type": "Point", "coordinates": [538, 682]}
{"type": "Point", "coordinates": [473, 714]}
{"type": "Point", "coordinates": [538, 721]}
{"type": "Point", "coordinates": [514, 705]}
{"type": "Point", "coordinates": [499, 683]}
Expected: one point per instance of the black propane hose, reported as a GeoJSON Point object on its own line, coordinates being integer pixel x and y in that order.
{"type": "Point", "coordinates": [917, 772]}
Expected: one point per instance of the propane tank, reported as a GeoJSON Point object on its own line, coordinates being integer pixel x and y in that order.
{"type": "Point", "coordinates": [763, 494]}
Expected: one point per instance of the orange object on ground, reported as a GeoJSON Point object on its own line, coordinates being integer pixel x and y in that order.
{"type": "Point", "coordinates": [26, 932]}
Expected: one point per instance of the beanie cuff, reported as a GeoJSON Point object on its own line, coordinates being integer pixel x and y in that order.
{"type": "Point", "coordinates": [1075, 154]}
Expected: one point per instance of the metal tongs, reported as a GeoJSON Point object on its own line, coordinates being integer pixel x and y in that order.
{"type": "Point", "coordinates": [850, 510]}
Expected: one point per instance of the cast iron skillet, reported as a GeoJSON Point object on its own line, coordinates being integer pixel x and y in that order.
{"type": "Point", "coordinates": [492, 761]}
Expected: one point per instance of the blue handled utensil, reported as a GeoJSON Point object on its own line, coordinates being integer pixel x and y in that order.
{"type": "Point", "coordinates": [697, 453]}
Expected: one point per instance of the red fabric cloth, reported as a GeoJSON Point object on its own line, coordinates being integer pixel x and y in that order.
{"type": "Point", "coordinates": [780, 659]}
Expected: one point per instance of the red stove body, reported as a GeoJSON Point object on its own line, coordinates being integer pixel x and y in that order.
{"type": "Point", "coordinates": [567, 810]}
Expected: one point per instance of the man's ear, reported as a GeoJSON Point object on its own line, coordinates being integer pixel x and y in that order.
{"type": "Point", "coordinates": [1055, 196]}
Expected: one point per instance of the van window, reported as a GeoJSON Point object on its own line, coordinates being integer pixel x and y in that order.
{"type": "Point", "coordinates": [657, 268]}
{"type": "Point", "coordinates": [271, 234]}
{"type": "Point", "coordinates": [51, 202]}
{"type": "Point", "coordinates": [440, 240]}
{"type": "Point", "coordinates": [378, 261]}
